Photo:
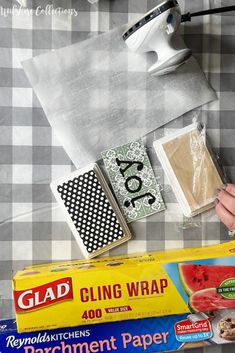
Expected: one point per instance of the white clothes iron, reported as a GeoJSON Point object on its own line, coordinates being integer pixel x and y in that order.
{"type": "Point", "coordinates": [156, 31]}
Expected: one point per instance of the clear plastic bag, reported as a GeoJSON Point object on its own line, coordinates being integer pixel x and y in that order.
{"type": "Point", "coordinates": [191, 169]}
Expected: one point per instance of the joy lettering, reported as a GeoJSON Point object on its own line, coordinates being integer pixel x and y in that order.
{"type": "Point", "coordinates": [137, 185]}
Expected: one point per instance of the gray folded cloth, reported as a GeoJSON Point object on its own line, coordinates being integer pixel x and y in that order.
{"type": "Point", "coordinates": [97, 94]}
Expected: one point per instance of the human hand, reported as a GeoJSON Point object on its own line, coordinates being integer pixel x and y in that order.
{"type": "Point", "coordinates": [225, 207]}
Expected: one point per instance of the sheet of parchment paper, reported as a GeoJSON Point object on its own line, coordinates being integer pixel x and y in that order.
{"type": "Point", "coordinates": [97, 94]}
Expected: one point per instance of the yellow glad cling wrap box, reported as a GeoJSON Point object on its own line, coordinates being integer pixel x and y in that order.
{"type": "Point", "coordinates": [109, 289]}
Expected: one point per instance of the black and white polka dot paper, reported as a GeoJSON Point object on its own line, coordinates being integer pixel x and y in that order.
{"type": "Point", "coordinates": [90, 211]}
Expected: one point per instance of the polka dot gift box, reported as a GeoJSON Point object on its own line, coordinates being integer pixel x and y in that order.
{"type": "Point", "coordinates": [91, 211]}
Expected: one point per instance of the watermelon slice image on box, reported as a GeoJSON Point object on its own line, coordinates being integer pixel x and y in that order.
{"type": "Point", "coordinates": [198, 277]}
{"type": "Point", "coordinates": [209, 287]}
{"type": "Point", "coordinates": [208, 300]}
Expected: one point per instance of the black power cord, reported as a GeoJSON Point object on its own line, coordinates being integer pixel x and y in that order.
{"type": "Point", "coordinates": [187, 17]}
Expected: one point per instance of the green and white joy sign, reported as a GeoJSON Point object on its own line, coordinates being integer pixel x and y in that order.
{"type": "Point", "coordinates": [227, 288]}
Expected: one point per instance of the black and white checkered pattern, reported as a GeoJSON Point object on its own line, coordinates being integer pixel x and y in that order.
{"type": "Point", "coordinates": [32, 227]}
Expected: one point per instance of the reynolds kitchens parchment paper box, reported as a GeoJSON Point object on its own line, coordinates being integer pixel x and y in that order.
{"type": "Point", "coordinates": [121, 288]}
{"type": "Point", "coordinates": [159, 334]}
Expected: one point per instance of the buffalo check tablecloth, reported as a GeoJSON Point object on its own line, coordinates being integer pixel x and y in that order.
{"type": "Point", "coordinates": [32, 227]}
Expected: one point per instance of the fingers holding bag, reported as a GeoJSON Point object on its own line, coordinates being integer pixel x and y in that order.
{"type": "Point", "coordinates": [225, 207]}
